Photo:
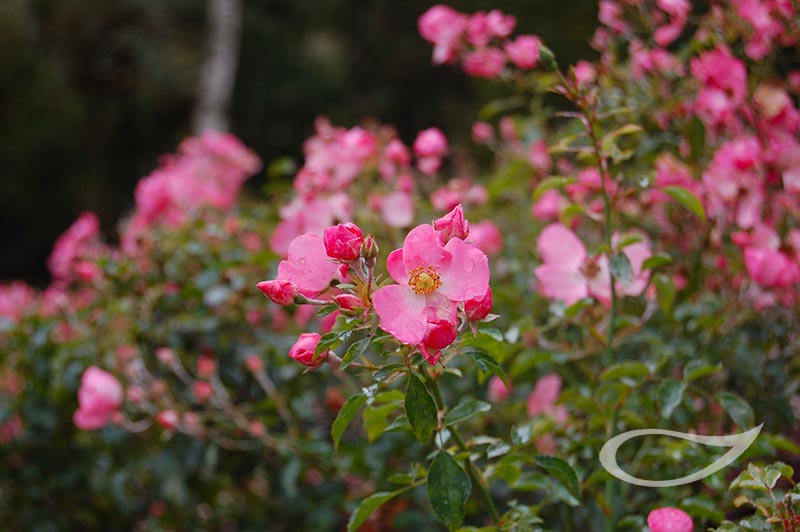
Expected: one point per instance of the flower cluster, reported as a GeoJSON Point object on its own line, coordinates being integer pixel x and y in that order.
{"type": "Point", "coordinates": [481, 41]}
{"type": "Point", "coordinates": [440, 276]}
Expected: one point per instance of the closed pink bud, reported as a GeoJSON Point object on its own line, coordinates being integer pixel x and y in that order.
{"type": "Point", "coordinates": [482, 132]}
{"type": "Point", "coordinates": [349, 304]}
{"type": "Point", "coordinates": [370, 248]}
{"type": "Point", "coordinates": [99, 397]}
{"type": "Point", "coordinates": [669, 519]}
{"type": "Point", "coordinates": [303, 350]}
{"type": "Point", "coordinates": [279, 291]}
{"type": "Point", "coordinates": [343, 241]}
{"type": "Point", "coordinates": [206, 366]}
{"type": "Point", "coordinates": [440, 334]}
{"type": "Point", "coordinates": [168, 419]}
{"type": "Point", "coordinates": [430, 142]}
{"type": "Point", "coordinates": [254, 363]}
{"type": "Point", "coordinates": [453, 224]}
{"type": "Point", "coordinates": [202, 390]}
{"type": "Point", "coordinates": [523, 51]}
{"type": "Point", "coordinates": [479, 307]}
{"type": "Point", "coordinates": [165, 355]}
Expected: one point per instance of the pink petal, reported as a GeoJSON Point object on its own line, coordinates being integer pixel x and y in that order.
{"type": "Point", "coordinates": [466, 274]}
{"type": "Point", "coordinates": [402, 313]}
{"type": "Point", "coordinates": [87, 420]}
{"type": "Point", "coordinates": [558, 246]}
{"type": "Point", "coordinates": [423, 247]}
{"type": "Point", "coordinates": [567, 285]}
{"type": "Point", "coordinates": [396, 266]}
{"type": "Point", "coordinates": [544, 395]}
{"type": "Point", "coordinates": [308, 265]}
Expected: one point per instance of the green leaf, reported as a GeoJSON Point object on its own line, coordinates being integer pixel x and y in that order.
{"type": "Point", "coordinates": [557, 181]}
{"type": "Point", "coordinates": [368, 506]}
{"type": "Point", "coordinates": [485, 362]}
{"type": "Point", "coordinates": [688, 200]}
{"type": "Point", "coordinates": [355, 350]}
{"type": "Point", "coordinates": [697, 138]}
{"type": "Point", "coordinates": [621, 268]}
{"type": "Point", "coordinates": [634, 370]}
{"type": "Point", "coordinates": [376, 420]}
{"type": "Point", "coordinates": [737, 408]}
{"type": "Point", "coordinates": [665, 292]}
{"type": "Point", "coordinates": [420, 409]}
{"type": "Point", "coordinates": [346, 414]}
{"type": "Point", "coordinates": [670, 395]}
{"type": "Point", "coordinates": [656, 261]}
{"type": "Point", "coordinates": [448, 490]}
{"type": "Point", "coordinates": [699, 368]}
{"type": "Point", "coordinates": [563, 472]}
{"type": "Point", "coordinates": [465, 410]}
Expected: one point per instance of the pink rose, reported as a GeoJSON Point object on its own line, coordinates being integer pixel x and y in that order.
{"type": "Point", "coordinates": [99, 397]}
{"type": "Point", "coordinates": [430, 142]}
{"type": "Point", "coordinates": [484, 63]}
{"type": "Point", "coordinates": [452, 224]}
{"type": "Point", "coordinates": [343, 241]}
{"type": "Point", "coordinates": [303, 350]}
{"type": "Point", "coordinates": [479, 307]}
{"type": "Point", "coordinates": [279, 291]}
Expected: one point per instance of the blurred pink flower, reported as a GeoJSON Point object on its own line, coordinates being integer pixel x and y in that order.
{"type": "Point", "coordinates": [669, 519]}
{"type": "Point", "coordinates": [99, 397]}
{"type": "Point", "coordinates": [443, 27]}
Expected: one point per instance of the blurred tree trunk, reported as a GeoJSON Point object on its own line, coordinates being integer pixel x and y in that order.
{"type": "Point", "coordinates": [219, 69]}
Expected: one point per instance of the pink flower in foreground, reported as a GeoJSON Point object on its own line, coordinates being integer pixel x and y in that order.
{"type": "Point", "coordinates": [567, 272]}
{"type": "Point", "coordinates": [308, 265]}
{"type": "Point", "coordinates": [343, 241]}
{"type": "Point", "coordinates": [452, 225]}
{"type": "Point", "coordinates": [303, 350]}
{"type": "Point", "coordinates": [669, 519]}
{"type": "Point", "coordinates": [478, 308]}
{"type": "Point", "coordinates": [99, 397]}
{"type": "Point", "coordinates": [432, 277]}
{"type": "Point", "coordinates": [524, 51]}
{"type": "Point", "coordinates": [279, 291]}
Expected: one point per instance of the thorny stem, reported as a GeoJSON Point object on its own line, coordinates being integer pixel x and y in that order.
{"type": "Point", "coordinates": [474, 475]}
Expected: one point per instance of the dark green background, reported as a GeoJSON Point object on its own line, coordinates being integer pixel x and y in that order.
{"type": "Point", "coordinates": [93, 91]}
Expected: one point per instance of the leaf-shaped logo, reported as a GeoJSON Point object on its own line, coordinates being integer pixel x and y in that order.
{"type": "Point", "coordinates": [738, 443]}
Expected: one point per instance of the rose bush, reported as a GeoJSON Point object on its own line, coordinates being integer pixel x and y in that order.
{"type": "Point", "coordinates": [448, 339]}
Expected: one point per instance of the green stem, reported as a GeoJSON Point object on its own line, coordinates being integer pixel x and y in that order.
{"type": "Point", "coordinates": [608, 359]}
{"type": "Point", "coordinates": [474, 475]}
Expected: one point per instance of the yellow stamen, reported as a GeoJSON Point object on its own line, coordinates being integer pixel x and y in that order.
{"type": "Point", "coordinates": [424, 279]}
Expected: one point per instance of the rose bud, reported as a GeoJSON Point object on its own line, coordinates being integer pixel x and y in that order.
{"type": "Point", "coordinates": [370, 248]}
{"type": "Point", "coordinates": [669, 519]}
{"type": "Point", "coordinates": [430, 142]}
{"type": "Point", "coordinates": [349, 305]}
{"type": "Point", "coordinates": [343, 241]}
{"type": "Point", "coordinates": [479, 307]}
{"type": "Point", "coordinates": [303, 350]}
{"type": "Point", "coordinates": [99, 397]}
{"type": "Point", "coordinates": [279, 291]}
{"type": "Point", "coordinates": [498, 391]}
{"type": "Point", "coordinates": [168, 419]}
{"type": "Point", "coordinates": [254, 363]}
{"type": "Point", "coordinates": [202, 390]}
{"type": "Point", "coordinates": [453, 224]}
{"type": "Point", "coordinates": [206, 366]}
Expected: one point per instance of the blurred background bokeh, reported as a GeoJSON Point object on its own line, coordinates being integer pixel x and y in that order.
{"type": "Point", "coordinates": [92, 92]}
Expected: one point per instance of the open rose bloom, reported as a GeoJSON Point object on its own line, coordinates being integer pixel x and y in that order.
{"type": "Point", "coordinates": [433, 277]}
